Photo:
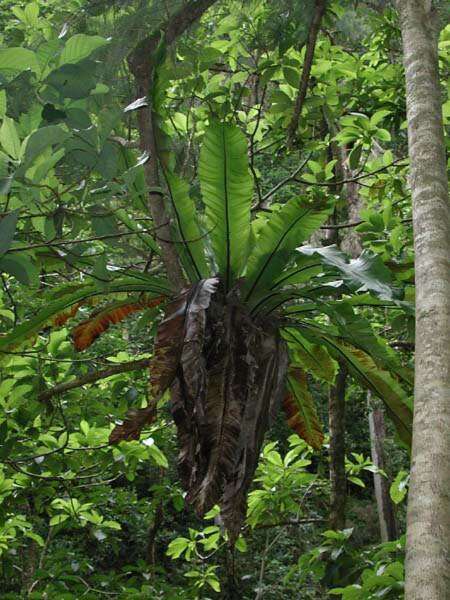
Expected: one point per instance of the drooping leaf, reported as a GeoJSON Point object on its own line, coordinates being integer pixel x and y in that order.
{"type": "Point", "coordinates": [134, 422]}
{"type": "Point", "coordinates": [7, 230]}
{"type": "Point", "coordinates": [187, 235]}
{"type": "Point", "coordinates": [228, 388]}
{"type": "Point", "coordinates": [357, 331]}
{"type": "Point", "coordinates": [365, 273]}
{"type": "Point", "coordinates": [226, 186]}
{"type": "Point", "coordinates": [168, 346]}
{"type": "Point", "coordinates": [62, 318]}
{"type": "Point", "coordinates": [312, 358]}
{"type": "Point", "coordinates": [165, 362]}
{"type": "Point", "coordinates": [276, 240]}
{"type": "Point", "coordinates": [300, 409]}
{"type": "Point", "coordinates": [21, 267]}
{"type": "Point", "coordinates": [381, 382]}
{"type": "Point", "coordinates": [126, 284]}
{"type": "Point", "coordinates": [41, 139]}
{"type": "Point", "coordinates": [9, 138]}
{"type": "Point", "coordinates": [88, 331]}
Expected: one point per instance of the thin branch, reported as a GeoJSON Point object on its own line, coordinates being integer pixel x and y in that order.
{"type": "Point", "coordinates": [304, 80]}
{"type": "Point", "coordinates": [354, 224]}
{"type": "Point", "coordinates": [290, 522]}
{"type": "Point", "coordinates": [133, 365]}
{"type": "Point", "coordinates": [283, 182]}
{"type": "Point", "coordinates": [84, 240]}
{"type": "Point", "coordinates": [394, 163]}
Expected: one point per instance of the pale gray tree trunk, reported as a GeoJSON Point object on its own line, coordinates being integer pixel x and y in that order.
{"type": "Point", "coordinates": [428, 525]}
{"type": "Point", "coordinates": [385, 508]}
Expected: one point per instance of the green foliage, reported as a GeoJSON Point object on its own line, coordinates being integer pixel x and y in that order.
{"type": "Point", "coordinates": [226, 190]}
{"type": "Point", "coordinates": [75, 229]}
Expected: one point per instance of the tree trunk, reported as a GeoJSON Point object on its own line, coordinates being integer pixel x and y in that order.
{"type": "Point", "coordinates": [141, 65]}
{"type": "Point", "coordinates": [428, 525]}
{"type": "Point", "coordinates": [336, 415]}
{"type": "Point", "coordinates": [385, 508]}
{"type": "Point", "coordinates": [155, 197]}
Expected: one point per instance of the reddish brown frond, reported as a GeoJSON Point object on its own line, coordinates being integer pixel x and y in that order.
{"type": "Point", "coordinates": [63, 317]}
{"type": "Point", "coordinates": [135, 421]}
{"type": "Point", "coordinates": [300, 410]}
{"type": "Point", "coordinates": [88, 331]}
{"type": "Point", "coordinates": [168, 345]}
{"type": "Point", "coordinates": [163, 368]}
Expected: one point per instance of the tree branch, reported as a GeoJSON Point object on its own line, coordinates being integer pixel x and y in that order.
{"type": "Point", "coordinates": [304, 80]}
{"type": "Point", "coordinates": [134, 365]}
{"type": "Point", "coordinates": [82, 241]}
{"type": "Point", "coordinates": [394, 163]}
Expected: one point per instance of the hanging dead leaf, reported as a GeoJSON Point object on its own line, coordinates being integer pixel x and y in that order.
{"type": "Point", "coordinates": [63, 317]}
{"type": "Point", "coordinates": [300, 409]}
{"type": "Point", "coordinates": [88, 331]}
{"type": "Point", "coordinates": [134, 422]}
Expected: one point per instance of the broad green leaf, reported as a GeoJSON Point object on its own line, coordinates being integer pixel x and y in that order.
{"type": "Point", "coordinates": [21, 267]}
{"type": "Point", "coordinates": [357, 331]}
{"type": "Point", "coordinates": [378, 117]}
{"type": "Point", "coordinates": [354, 156]}
{"type": "Point", "coordinates": [399, 487]}
{"type": "Point", "coordinates": [383, 135]}
{"type": "Point", "coordinates": [177, 547]}
{"type": "Point", "coordinates": [41, 139]}
{"type": "Point", "coordinates": [9, 138]}
{"type": "Point", "coordinates": [18, 59]}
{"type": "Point", "coordinates": [277, 239]}
{"type": "Point", "coordinates": [42, 168]}
{"type": "Point", "coordinates": [74, 80]}
{"type": "Point", "coordinates": [80, 46]}
{"type": "Point", "coordinates": [300, 409]}
{"type": "Point", "coordinates": [7, 229]}
{"type": "Point", "coordinates": [187, 236]}
{"type": "Point", "coordinates": [365, 273]}
{"type": "Point", "coordinates": [226, 186]}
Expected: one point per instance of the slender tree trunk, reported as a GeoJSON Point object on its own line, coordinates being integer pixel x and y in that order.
{"type": "Point", "coordinates": [156, 206]}
{"type": "Point", "coordinates": [428, 525]}
{"type": "Point", "coordinates": [141, 65]}
{"type": "Point", "coordinates": [385, 508]}
{"type": "Point", "coordinates": [336, 416]}
{"type": "Point", "coordinates": [304, 79]}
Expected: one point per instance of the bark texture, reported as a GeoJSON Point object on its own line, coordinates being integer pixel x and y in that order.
{"type": "Point", "coordinates": [141, 65]}
{"type": "Point", "coordinates": [385, 508]}
{"type": "Point", "coordinates": [338, 481]}
{"type": "Point", "coordinates": [428, 525]}
{"type": "Point", "coordinates": [304, 80]}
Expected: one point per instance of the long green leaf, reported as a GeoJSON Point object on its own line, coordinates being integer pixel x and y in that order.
{"type": "Point", "coordinates": [381, 382]}
{"type": "Point", "coordinates": [187, 236]}
{"type": "Point", "coordinates": [23, 331]}
{"type": "Point", "coordinates": [312, 358]}
{"type": "Point", "coordinates": [277, 239]}
{"type": "Point", "coordinates": [226, 186]}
